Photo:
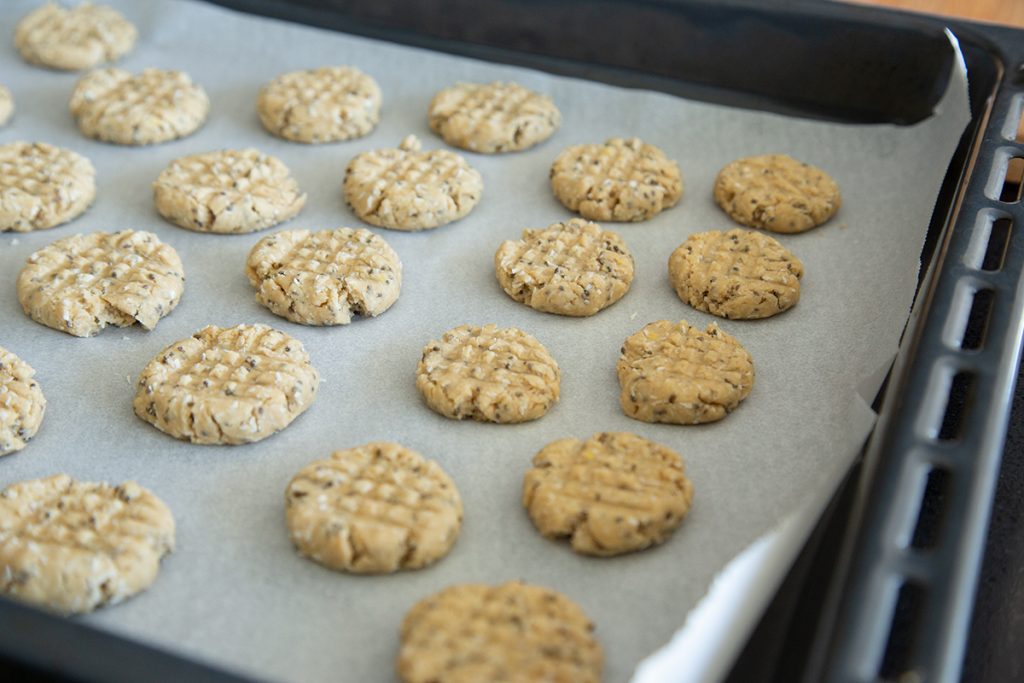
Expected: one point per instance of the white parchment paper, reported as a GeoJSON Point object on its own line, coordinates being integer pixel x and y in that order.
{"type": "Point", "coordinates": [235, 593]}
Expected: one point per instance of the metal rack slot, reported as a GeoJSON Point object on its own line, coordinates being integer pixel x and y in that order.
{"type": "Point", "coordinates": [998, 238]}
{"type": "Point", "coordinates": [956, 405]}
{"type": "Point", "coordinates": [1012, 181]}
{"type": "Point", "coordinates": [973, 336]}
{"type": "Point", "coordinates": [905, 623]}
{"type": "Point", "coordinates": [932, 514]}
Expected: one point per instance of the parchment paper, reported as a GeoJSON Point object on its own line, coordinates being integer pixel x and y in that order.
{"type": "Point", "coordinates": [235, 593]}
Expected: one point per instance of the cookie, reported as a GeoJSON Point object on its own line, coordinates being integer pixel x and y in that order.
{"type": "Point", "coordinates": [611, 494]}
{"type": "Point", "coordinates": [320, 105]}
{"type": "Point", "coordinates": [489, 374]}
{"type": "Point", "coordinates": [737, 274]}
{"type": "Point", "coordinates": [230, 191]}
{"type": "Point", "coordinates": [776, 192]}
{"type": "Point", "coordinates": [621, 180]}
{"type": "Point", "coordinates": [42, 186]}
{"type": "Point", "coordinates": [21, 403]}
{"type": "Point", "coordinates": [81, 284]}
{"type": "Point", "coordinates": [73, 546]}
{"type": "Point", "coordinates": [227, 385]}
{"type": "Point", "coordinates": [493, 117]}
{"type": "Point", "coordinates": [323, 278]}
{"type": "Point", "coordinates": [408, 189]}
{"type": "Point", "coordinates": [675, 373]}
{"type": "Point", "coordinates": [571, 268]}
{"type": "Point", "coordinates": [6, 105]}
{"type": "Point", "coordinates": [78, 37]}
{"type": "Point", "coordinates": [154, 106]}
{"type": "Point", "coordinates": [512, 632]}
{"type": "Point", "coordinates": [373, 509]}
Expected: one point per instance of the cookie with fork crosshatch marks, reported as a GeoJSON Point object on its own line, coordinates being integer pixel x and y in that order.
{"type": "Point", "coordinates": [372, 509]}
{"type": "Point", "coordinates": [613, 493]}
{"type": "Point", "coordinates": [72, 546]}
{"type": "Point", "coordinates": [493, 117]}
{"type": "Point", "coordinates": [227, 385]}
{"type": "Point", "coordinates": [328, 104]}
{"type": "Point", "coordinates": [409, 189]}
{"type": "Point", "coordinates": [22, 404]}
{"type": "Point", "coordinates": [42, 186]}
{"type": "Point", "coordinates": [81, 284]}
{"type": "Point", "coordinates": [75, 38]}
{"type": "Point", "coordinates": [6, 105]}
{"type": "Point", "coordinates": [513, 632]}
{"type": "Point", "coordinates": [678, 374]}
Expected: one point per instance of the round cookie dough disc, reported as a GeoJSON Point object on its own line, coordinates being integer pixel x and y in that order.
{"type": "Point", "coordinates": [323, 278]}
{"type": "Point", "coordinates": [572, 268]}
{"type": "Point", "coordinates": [227, 385]}
{"type": "Point", "coordinates": [81, 284]}
{"type": "Point", "coordinates": [512, 632]}
{"type": "Point", "coordinates": [74, 546]}
{"type": "Point", "coordinates": [230, 191]}
{"type": "Point", "coordinates": [154, 106]}
{"type": "Point", "coordinates": [42, 186]}
{"type": "Point", "coordinates": [493, 117]}
{"type": "Point", "coordinates": [6, 105]}
{"type": "Point", "coordinates": [621, 180]}
{"type": "Point", "coordinates": [737, 274]}
{"type": "Point", "coordinates": [21, 403]}
{"type": "Point", "coordinates": [320, 105]}
{"type": "Point", "coordinates": [675, 373]}
{"type": "Point", "coordinates": [776, 192]}
{"type": "Point", "coordinates": [79, 37]}
{"type": "Point", "coordinates": [373, 509]}
{"type": "Point", "coordinates": [408, 189]}
{"type": "Point", "coordinates": [489, 374]}
{"type": "Point", "coordinates": [613, 493]}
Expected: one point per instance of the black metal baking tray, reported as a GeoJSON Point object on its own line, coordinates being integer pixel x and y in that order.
{"type": "Point", "coordinates": [903, 539]}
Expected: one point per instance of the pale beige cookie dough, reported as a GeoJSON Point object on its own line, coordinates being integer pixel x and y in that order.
{"type": "Point", "coordinates": [511, 633]}
{"type": "Point", "coordinates": [153, 106]}
{"type": "Point", "coordinates": [408, 189]}
{"type": "Point", "coordinates": [489, 374]}
{"type": "Point", "coordinates": [328, 104]}
{"type": "Point", "coordinates": [227, 385]}
{"type": "Point", "coordinates": [492, 117]}
{"type": "Point", "coordinates": [620, 180]}
{"type": "Point", "coordinates": [73, 546]}
{"type": "Point", "coordinates": [323, 278]}
{"type": "Point", "coordinates": [228, 191]}
{"type": "Point", "coordinates": [572, 268]}
{"type": "Point", "coordinates": [42, 186]}
{"type": "Point", "coordinates": [75, 38]}
{"type": "Point", "coordinates": [81, 284]}
{"type": "Point", "coordinates": [21, 403]}
{"type": "Point", "coordinates": [613, 493]}
{"type": "Point", "coordinates": [776, 192]}
{"type": "Point", "coordinates": [675, 373]}
{"type": "Point", "coordinates": [6, 105]}
{"type": "Point", "coordinates": [739, 274]}
{"type": "Point", "coordinates": [373, 509]}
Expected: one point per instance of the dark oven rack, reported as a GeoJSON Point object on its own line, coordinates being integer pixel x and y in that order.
{"type": "Point", "coordinates": [912, 517]}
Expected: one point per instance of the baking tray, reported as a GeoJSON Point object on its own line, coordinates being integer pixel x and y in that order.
{"type": "Point", "coordinates": [807, 59]}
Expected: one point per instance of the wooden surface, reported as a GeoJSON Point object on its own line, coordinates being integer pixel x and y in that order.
{"type": "Point", "coordinates": [1008, 12]}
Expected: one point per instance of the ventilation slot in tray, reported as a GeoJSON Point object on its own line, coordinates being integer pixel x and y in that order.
{"type": "Point", "coordinates": [1013, 181]}
{"type": "Point", "coordinates": [906, 621]}
{"type": "Point", "coordinates": [932, 514]}
{"type": "Point", "coordinates": [956, 404]}
{"type": "Point", "coordinates": [998, 239]}
{"type": "Point", "coordinates": [977, 320]}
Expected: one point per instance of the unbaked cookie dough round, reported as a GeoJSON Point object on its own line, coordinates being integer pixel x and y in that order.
{"type": "Point", "coordinates": [227, 385]}
{"type": "Point", "coordinates": [675, 373]}
{"type": "Point", "coordinates": [492, 117]}
{"type": "Point", "coordinates": [325, 277]}
{"type": "Point", "coordinates": [81, 284]}
{"type": "Point", "coordinates": [113, 105]}
{"type": "Point", "coordinates": [22, 404]}
{"type": "Point", "coordinates": [228, 191]}
{"type": "Point", "coordinates": [573, 268]}
{"type": "Point", "coordinates": [78, 37]}
{"type": "Point", "coordinates": [611, 494]}
{"type": "Point", "coordinates": [776, 192]}
{"type": "Point", "coordinates": [489, 374]}
{"type": "Point", "coordinates": [42, 186]}
{"type": "Point", "coordinates": [511, 632]}
{"type": "Point", "coordinates": [620, 180]}
{"type": "Point", "coordinates": [328, 104]}
{"type": "Point", "coordinates": [73, 546]}
{"type": "Point", "coordinates": [373, 509]}
{"type": "Point", "coordinates": [739, 274]}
